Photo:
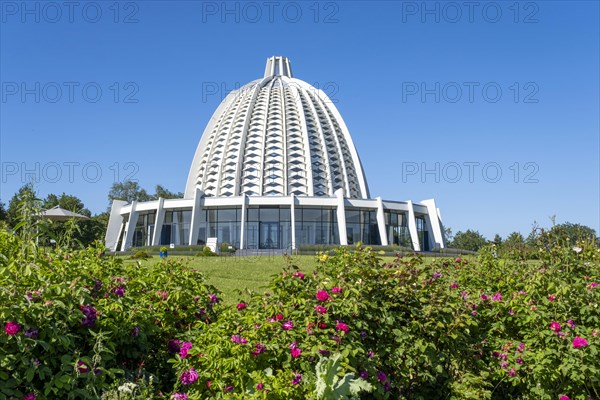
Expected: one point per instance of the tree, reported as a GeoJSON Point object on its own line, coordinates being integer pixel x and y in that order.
{"type": "Point", "coordinates": [469, 240]}
{"type": "Point", "coordinates": [12, 214]}
{"type": "Point", "coordinates": [498, 240]}
{"type": "Point", "coordinates": [3, 212]}
{"type": "Point", "coordinates": [515, 239]}
{"type": "Point", "coordinates": [165, 193]}
{"type": "Point", "coordinates": [128, 191]}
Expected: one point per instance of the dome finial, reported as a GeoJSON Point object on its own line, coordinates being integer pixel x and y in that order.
{"type": "Point", "coordinates": [278, 66]}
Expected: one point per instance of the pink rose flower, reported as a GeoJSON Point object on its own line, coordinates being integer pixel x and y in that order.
{"type": "Point", "coordinates": [12, 328]}
{"type": "Point", "coordinates": [341, 327]}
{"type": "Point", "coordinates": [299, 275]}
{"type": "Point", "coordinates": [296, 351]}
{"type": "Point", "coordinates": [336, 290]}
{"type": "Point", "coordinates": [241, 306]}
{"type": "Point", "coordinates": [555, 326]}
{"type": "Point", "coordinates": [320, 310]}
{"type": "Point", "coordinates": [189, 377]}
{"type": "Point", "coordinates": [185, 347]}
{"type": "Point", "coordinates": [579, 342]}
{"type": "Point", "coordinates": [322, 295]}
{"type": "Point", "coordinates": [563, 397]}
{"type": "Point", "coordinates": [551, 297]}
{"type": "Point", "coordinates": [288, 325]}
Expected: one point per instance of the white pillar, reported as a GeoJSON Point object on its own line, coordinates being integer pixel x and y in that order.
{"type": "Point", "coordinates": [381, 222]}
{"type": "Point", "coordinates": [412, 227]}
{"type": "Point", "coordinates": [293, 220]}
{"type": "Point", "coordinates": [196, 213]}
{"type": "Point", "coordinates": [115, 225]}
{"type": "Point", "coordinates": [130, 227]}
{"type": "Point", "coordinates": [243, 222]}
{"type": "Point", "coordinates": [434, 227]}
{"type": "Point", "coordinates": [158, 222]}
{"type": "Point", "coordinates": [341, 217]}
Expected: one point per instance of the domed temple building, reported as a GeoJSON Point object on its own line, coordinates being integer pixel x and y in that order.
{"type": "Point", "coordinates": [276, 168]}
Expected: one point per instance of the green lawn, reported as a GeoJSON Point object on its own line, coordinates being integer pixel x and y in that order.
{"type": "Point", "coordinates": [233, 274]}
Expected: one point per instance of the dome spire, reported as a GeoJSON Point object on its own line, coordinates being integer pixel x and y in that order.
{"type": "Point", "coordinates": [278, 66]}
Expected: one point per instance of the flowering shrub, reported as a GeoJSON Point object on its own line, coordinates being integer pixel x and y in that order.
{"type": "Point", "coordinates": [80, 325]}
{"type": "Point", "coordinates": [73, 324]}
{"type": "Point", "coordinates": [453, 328]}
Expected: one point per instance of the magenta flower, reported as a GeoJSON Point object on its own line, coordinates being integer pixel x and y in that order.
{"type": "Point", "coordinates": [299, 275]}
{"type": "Point", "coordinates": [454, 286]}
{"type": "Point", "coordinates": [341, 327]}
{"type": "Point", "coordinates": [296, 379]}
{"type": "Point", "coordinates": [82, 367]}
{"type": "Point", "coordinates": [457, 259]}
{"type": "Point", "coordinates": [336, 290]}
{"type": "Point", "coordinates": [241, 306]}
{"type": "Point", "coordinates": [322, 295]}
{"type": "Point", "coordinates": [593, 284]}
{"type": "Point", "coordinates": [555, 326]}
{"type": "Point", "coordinates": [484, 297]}
{"type": "Point", "coordinates": [89, 319]}
{"type": "Point", "coordinates": [259, 348]}
{"type": "Point", "coordinates": [30, 396]}
{"type": "Point", "coordinates": [512, 372]}
{"type": "Point", "coordinates": [288, 325]}
{"type": "Point", "coordinates": [320, 310]}
{"type": "Point", "coordinates": [563, 397]}
{"type": "Point", "coordinates": [296, 351]}
{"type": "Point", "coordinates": [519, 360]}
{"type": "Point", "coordinates": [12, 328]}
{"type": "Point", "coordinates": [497, 297]}
{"type": "Point", "coordinates": [381, 376]}
{"type": "Point", "coordinates": [260, 386]}
{"type": "Point", "coordinates": [551, 297]}
{"type": "Point", "coordinates": [322, 325]}
{"type": "Point", "coordinates": [189, 377]}
{"type": "Point", "coordinates": [437, 275]}
{"type": "Point", "coordinates": [229, 389]}
{"type": "Point", "coordinates": [571, 323]}
{"type": "Point", "coordinates": [120, 291]}
{"type": "Point", "coordinates": [179, 396]}
{"type": "Point", "coordinates": [521, 347]}
{"type": "Point", "coordinates": [522, 292]}
{"type": "Point", "coordinates": [237, 339]}
{"type": "Point", "coordinates": [579, 342]}
{"type": "Point", "coordinates": [213, 298]}
{"type": "Point", "coordinates": [185, 347]}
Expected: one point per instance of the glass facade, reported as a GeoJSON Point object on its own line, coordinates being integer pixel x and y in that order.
{"type": "Point", "coordinates": [176, 228]}
{"type": "Point", "coordinates": [316, 225]}
{"type": "Point", "coordinates": [361, 226]}
{"type": "Point", "coordinates": [422, 233]}
{"type": "Point", "coordinates": [144, 229]}
{"type": "Point", "coordinates": [268, 228]}
{"type": "Point", "coordinates": [396, 228]}
{"type": "Point", "coordinates": [223, 223]}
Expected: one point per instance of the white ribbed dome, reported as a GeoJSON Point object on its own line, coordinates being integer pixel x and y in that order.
{"type": "Point", "coordinates": [276, 136]}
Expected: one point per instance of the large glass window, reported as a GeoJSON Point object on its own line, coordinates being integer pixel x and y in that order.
{"type": "Point", "coordinates": [422, 233]}
{"type": "Point", "coordinates": [176, 227]}
{"type": "Point", "coordinates": [361, 226]}
{"type": "Point", "coordinates": [222, 223]}
{"type": "Point", "coordinates": [396, 228]}
{"type": "Point", "coordinates": [268, 228]}
{"type": "Point", "coordinates": [144, 229]}
{"type": "Point", "coordinates": [316, 225]}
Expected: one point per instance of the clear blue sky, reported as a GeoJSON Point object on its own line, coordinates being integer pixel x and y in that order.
{"type": "Point", "coordinates": [418, 87]}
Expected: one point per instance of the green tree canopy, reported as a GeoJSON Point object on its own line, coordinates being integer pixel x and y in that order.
{"type": "Point", "coordinates": [469, 240]}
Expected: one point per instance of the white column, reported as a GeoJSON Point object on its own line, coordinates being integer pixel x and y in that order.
{"type": "Point", "coordinates": [341, 217]}
{"type": "Point", "coordinates": [243, 223]}
{"type": "Point", "coordinates": [158, 222]}
{"type": "Point", "coordinates": [115, 225]}
{"type": "Point", "coordinates": [130, 227]}
{"type": "Point", "coordinates": [293, 220]}
{"type": "Point", "coordinates": [435, 224]}
{"type": "Point", "coordinates": [196, 213]}
{"type": "Point", "coordinates": [381, 222]}
{"type": "Point", "coordinates": [412, 227]}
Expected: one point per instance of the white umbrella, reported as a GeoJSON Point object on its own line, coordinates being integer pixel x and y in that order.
{"type": "Point", "coordinates": [60, 214]}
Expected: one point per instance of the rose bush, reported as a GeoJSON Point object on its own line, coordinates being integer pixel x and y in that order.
{"type": "Point", "coordinates": [75, 323]}
{"type": "Point", "coordinates": [82, 325]}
